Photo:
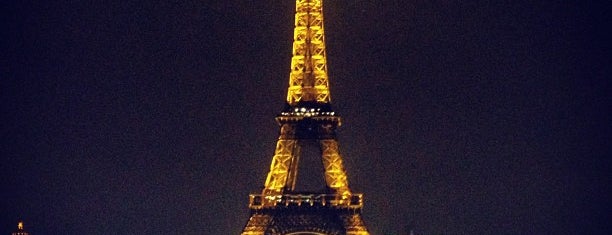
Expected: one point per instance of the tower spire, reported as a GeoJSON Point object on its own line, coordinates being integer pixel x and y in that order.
{"type": "Point", "coordinates": [308, 79]}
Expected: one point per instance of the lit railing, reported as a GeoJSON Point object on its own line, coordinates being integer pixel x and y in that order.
{"type": "Point", "coordinates": [260, 201]}
{"type": "Point", "coordinates": [307, 112]}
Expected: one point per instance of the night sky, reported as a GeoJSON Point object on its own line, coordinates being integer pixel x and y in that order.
{"type": "Point", "coordinates": [459, 117]}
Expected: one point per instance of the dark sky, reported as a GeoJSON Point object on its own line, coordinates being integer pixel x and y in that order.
{"type": "Point", "coordinates": [460, 117]}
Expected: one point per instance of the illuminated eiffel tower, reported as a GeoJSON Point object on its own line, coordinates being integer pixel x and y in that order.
{"type": "Point", "coordinates": [307, 118]}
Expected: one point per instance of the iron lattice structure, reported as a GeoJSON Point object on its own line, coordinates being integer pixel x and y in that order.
{"type": "Point", "coordinates": [307, 117]}
{"type": "Point", "coordinates": [308, 78]}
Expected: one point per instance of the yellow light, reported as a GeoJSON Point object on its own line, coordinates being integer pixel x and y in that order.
{"type": "Point", "coordinates": [308, 79]}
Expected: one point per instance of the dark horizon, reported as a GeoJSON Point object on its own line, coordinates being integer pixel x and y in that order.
{"type": "Point", "coordinates": [132, 117]}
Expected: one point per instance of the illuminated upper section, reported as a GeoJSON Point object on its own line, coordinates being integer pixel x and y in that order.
{"type": "Point", "coordinates": [308, 79]}
{"type": "Point", "coordinates": [306, 120]}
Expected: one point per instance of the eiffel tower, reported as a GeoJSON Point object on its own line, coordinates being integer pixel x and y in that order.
{"type": "Point", "coordinates": [306, 118]}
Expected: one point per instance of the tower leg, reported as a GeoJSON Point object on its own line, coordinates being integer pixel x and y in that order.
{"type": "Point", "coordinates": [280, 173]}
{"type": "Point", "coordinates": [335, 176]}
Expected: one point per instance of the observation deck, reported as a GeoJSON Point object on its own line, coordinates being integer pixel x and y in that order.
{"type": "Point", "coordinates": [260, 201]}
